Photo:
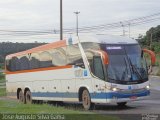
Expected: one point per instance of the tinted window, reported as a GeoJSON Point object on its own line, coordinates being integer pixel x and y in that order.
{"type": "Point", "coordinates": [59, 57]}
{"type": "Point", "coordinates": [24, 63]}
{"type": "Point", "coordinates": [14, 64]}
{"type": "Point", "coordinates": [34, 61]}
{"type": "Point", "coordinates": [98, 68]}
{"type": "Point", "coordinates": [89, 49]}
{"type": "Point", "coordinates": [8, 64]}
{"type": "Point", "coordinates": [50, 58]}
{"type": "Point", "coordinates": [45, 59]}
{"type": "Point", "coordinates": [74, 55]}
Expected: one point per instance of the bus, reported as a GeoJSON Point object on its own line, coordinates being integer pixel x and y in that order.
{"type": "Point", "coordinates": [91, 69]}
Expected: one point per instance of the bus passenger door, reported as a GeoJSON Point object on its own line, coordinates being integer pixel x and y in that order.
{"type": "Point", "coordinates": [99, 82]}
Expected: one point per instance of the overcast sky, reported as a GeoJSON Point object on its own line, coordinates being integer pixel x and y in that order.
{"type": "Point", "coordinates": [44, 15]}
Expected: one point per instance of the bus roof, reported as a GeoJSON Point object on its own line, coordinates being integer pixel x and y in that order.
{"type": "Point", "coordinates": [106, 39]}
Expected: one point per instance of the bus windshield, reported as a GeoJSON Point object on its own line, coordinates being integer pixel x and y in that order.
{"type": "Point", "coordinates": [126, 64]}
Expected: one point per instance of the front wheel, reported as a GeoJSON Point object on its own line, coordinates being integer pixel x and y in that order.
{"type": "Point", "coordinates": [122, 104]}
{"type": "Point", "coordinates": [86, 100]}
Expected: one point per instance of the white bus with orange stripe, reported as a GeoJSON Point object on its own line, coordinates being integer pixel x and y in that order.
{"type": "Point", "coordinates": [88, 69]}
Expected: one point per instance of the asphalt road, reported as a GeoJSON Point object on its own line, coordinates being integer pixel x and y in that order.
{"type": "Point", "coordinates": [139, 109]}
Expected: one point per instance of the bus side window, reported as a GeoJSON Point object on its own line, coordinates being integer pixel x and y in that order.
{"type": "Point", "coordinates": [74, 56]}
{"type": "Point", "coordinates": [7, 62]}
{"type": "Point", "coordinates": [34, 61]}
{"type": "Point", "coordinates": [59, 57]}
{"type": "Point", "coordinates": [24, 63]}
{"type": "Point", "coordinates": [90, 55]}
{"type": "Point", "coordinates": [45, 59]}
{"type": "Point", "coordinates": [14, 64]}
{"type": "Point", "coordinates": [98, 67]}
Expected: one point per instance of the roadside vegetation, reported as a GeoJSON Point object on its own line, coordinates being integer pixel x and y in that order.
{"type": "Point", "coordinates": [13, 107]}
{"type": "Point", "coordinates": [2, 92]}
{"type": "Point", "coordinates": [158, 63]}
{"type": "Point", "coordinates": [152, 41]}
{"type": "Point", "coordinates": [2, 77]}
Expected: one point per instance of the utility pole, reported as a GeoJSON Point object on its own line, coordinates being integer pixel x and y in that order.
{"type": "Point", "coordinates": [61, 20]}
{"type": "Point", "coordinates": [123, 28]}
{"type": "Point", "coordinates": [77, 12]}
{"type": "Point", "coordinates": [129, 25]}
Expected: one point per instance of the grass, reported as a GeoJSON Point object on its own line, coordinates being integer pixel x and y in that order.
{"type": "Point", "coordinates": [13, 107]}
{"type": "Point", "coordinates": [2, 77]}
{"type": "Point", "coordinates": [2, 92]}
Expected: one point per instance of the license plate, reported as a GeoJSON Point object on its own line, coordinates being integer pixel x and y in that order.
{"type": "Point", "coordinates": [135, 87]}
{"type": "Point", "coordinates": [133, 97]}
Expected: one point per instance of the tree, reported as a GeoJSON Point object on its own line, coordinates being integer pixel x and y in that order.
{"type": "Point", "coordinates": [151, 39]}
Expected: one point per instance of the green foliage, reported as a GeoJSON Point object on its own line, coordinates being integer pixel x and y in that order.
{"type": "Point", "coordinates": [13, 107]}
{"type": "Point", "coordinates": [151, 39]}
{"type": "Point", "coordinates": [2, 92]}
{"type": "Point", "coordinates": [158, 63]}
{"type": "Point", "coordinates": [156, 47]}
{"type": "Point", "coordinates": [2, 77]}
{"type": "Point", "coordinates": [1, 65]}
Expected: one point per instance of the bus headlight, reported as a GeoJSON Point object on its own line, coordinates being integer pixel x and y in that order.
{"type": "Point", "coordinates": [114, 89]}
{"type": "Point", "coordinates": [147, 87]}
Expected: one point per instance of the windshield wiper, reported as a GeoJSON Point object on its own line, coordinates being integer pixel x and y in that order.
{"type": "Point", "coordinates": [135, 69]}
{"type": "Point", "coordinates": [126, 69]}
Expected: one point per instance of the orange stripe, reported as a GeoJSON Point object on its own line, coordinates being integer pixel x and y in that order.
{"type": "Point", "coordinates": [40, 69]}
{"type": "Point", "coordinates": [58, 44]}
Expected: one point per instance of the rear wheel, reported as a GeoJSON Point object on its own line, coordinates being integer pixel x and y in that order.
{"type": "Point", "coordinates": [28, 97]}
{"type": "Point", "coordinates": [86, 100]}
{"type": "Point", "coordinates": [122, 104]}
{"type": "Point", "coordinates": [21, 96]}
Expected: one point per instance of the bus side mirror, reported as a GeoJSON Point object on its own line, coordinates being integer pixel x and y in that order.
{"type": "Point", "coordinates": [152, 56]}
{"type": "Point", "coordinates": [104, 56]}
{"type": "Point", "coordinates": [98, 67]}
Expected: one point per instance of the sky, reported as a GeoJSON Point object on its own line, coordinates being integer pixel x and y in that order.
{"type": "Point", "coordinates": [42, 15]}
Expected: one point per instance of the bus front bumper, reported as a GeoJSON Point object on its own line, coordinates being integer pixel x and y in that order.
{"type": "Point", "coordinates": [116, 97]}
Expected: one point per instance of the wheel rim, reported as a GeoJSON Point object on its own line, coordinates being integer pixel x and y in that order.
{"type": "Point", "coordinates": [86, 100]}
{"type": "Point", "coordinates": [28, 98]}
{"type": "Point", "coordinates": [21, 97]}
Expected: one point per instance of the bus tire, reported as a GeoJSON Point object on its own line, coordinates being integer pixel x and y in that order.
{"type": "Point", "coordinates": [21, 97]}
{"type": "Point", "coordinates": [28, 97]}
{"type": "Point", "coordinates": [122, 104]}
{"type": "Point", "coordinates": [86, 100]}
